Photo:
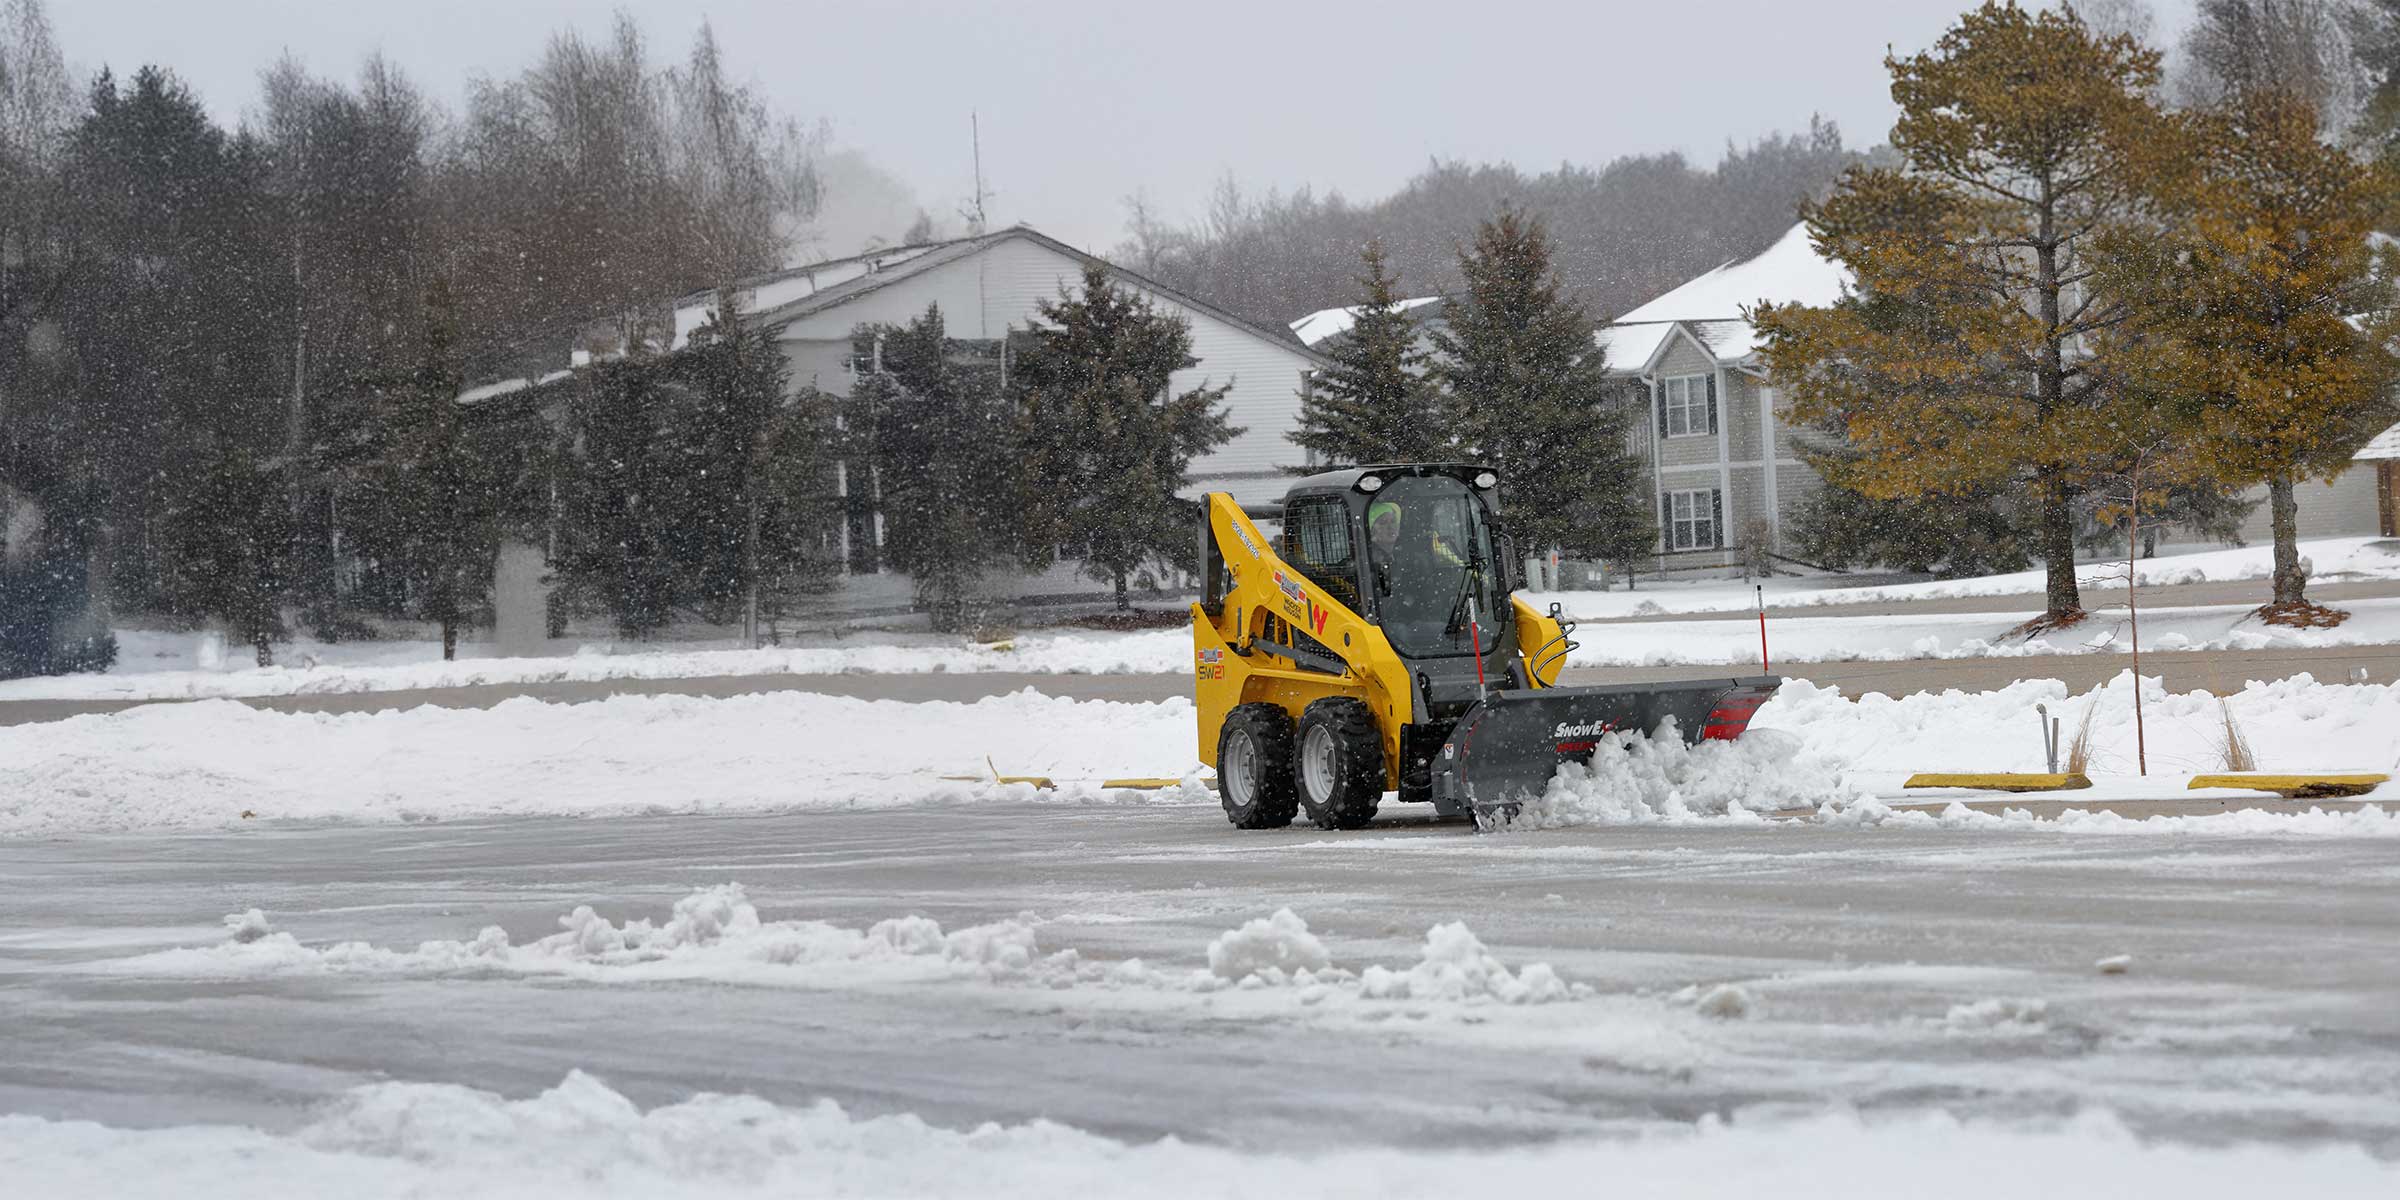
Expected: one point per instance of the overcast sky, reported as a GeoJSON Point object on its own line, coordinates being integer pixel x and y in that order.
{"type": "Point", "coordinates": [1083, 103]}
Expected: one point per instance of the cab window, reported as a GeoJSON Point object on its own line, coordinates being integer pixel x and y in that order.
{"type": "Point", "coordinates": [1316, 539]}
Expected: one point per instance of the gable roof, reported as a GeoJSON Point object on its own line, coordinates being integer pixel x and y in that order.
{"type": "Point", "coordinates": [1327, 323]}
{"type": "Point", "coordinates": [1788, 272]}
{"type": "Point", "coordinates": [2383, 447]}
{"type": "Point", "coordinates": [805, 290]}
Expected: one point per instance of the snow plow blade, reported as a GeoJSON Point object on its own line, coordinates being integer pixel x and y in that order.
{"type": "Point", "coordinates": [1504, 750]}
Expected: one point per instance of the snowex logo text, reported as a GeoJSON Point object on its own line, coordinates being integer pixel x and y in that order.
{"type": "Point", "coordinates": [1584, 729]}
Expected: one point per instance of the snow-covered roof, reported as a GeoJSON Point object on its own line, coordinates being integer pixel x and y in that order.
{"type": "Point", "coordinates": [505, 386]}
{"type": "Point", "coordinates": [1788, 272]}
{"type": "Point", "coordinates": [762, 293]}
{"type": "Point", "coordinates": [1333, 322]}
{"type": "Point", "coordinates": [2383, 447]}
{"type": "Point", "coordinates": [1631, 347]}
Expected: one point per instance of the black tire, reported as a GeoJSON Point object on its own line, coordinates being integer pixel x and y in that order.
{"type": "Point", "coordinates": [1254, 767]}
{"type": "Point", "coordinates": [1337, 763]}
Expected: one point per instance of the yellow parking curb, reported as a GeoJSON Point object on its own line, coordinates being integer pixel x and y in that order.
{"type": "Point", "coordinates": [1143, 784]}
{"type": "Point", "coordinates": [2002, 781]}
{"type": "Point", "coordinates": [2295, 787]}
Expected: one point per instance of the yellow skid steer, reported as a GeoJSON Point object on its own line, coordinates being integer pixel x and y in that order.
{"type": "Point", "coordinates": [1375, 645]}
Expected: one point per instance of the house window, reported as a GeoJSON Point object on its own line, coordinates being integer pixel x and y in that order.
{"type": "Point", "coordinates": [1687, 407]}
{"type": "Point", "coordinates": [1693, 519]}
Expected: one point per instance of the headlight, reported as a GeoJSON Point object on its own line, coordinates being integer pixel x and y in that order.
{"type": "Point", "coordinates": [1487, 480]}
{"type": "Point", "coordinates": [1370, 483]}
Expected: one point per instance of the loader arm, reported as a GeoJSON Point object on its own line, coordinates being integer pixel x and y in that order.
{"type": "Point", "coordinates": [1264, 631]}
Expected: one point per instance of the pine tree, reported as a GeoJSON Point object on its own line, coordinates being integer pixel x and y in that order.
{"type": "Point", "coordinates": [747, 445]}
{"type": "Point", "coordinates": [940, 438]}
{"type": "Point", "coordinates": [617, 499]}
{"type": "Point", "coordinates": [2264, 320]}
{"type": "Point", "coordinates": [230, 536]}
{"type": "Point", "coordinates": [1375, 404]}
{"type": "Point", "coordinates": [1104, 444]}
{"type": "Point", "coordinates": [1527, 396]}
{"type": "Point", "coordinates": [440, 491]}
{"type": "Point", "coordinates": [1970, 357]}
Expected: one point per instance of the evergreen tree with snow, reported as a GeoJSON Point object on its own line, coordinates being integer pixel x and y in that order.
{"type": "Point", "coordinates": [1527, 396]}
{"type": "Point", "coordinates": [1104, 444]}
{"type": "Point", "coordinates": [1374, 404]}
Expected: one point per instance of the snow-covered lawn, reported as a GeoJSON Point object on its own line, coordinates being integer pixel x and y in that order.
{"type": "Point", "coordinates": [2331, 560]}
{"type": "Point", "coordinates": [384, 667]}
{"type": "Point", "coordinates": [404, 666]}
{"type": "Point", "coordinates": [210, 762]}
{"type": "Point", "coordinates": [1895, 637]}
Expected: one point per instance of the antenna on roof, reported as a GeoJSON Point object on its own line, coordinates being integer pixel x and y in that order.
{"type": "Point", "coordinates": [974, 213]}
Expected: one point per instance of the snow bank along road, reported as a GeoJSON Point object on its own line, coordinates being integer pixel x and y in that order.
{"type": "Point", "coordinates": [1810, 752]}
{"type": "Point", "coordinates": [1722, 1008]}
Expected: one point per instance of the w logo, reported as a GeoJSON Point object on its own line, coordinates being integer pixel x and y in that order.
{"type": "Point", "coordinates": [1316, 617]}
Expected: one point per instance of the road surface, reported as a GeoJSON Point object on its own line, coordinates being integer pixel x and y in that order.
{"type": "Point", "coordinates": [1890, 970]}
{"type": "Point", "coordinates": [2214, 670]}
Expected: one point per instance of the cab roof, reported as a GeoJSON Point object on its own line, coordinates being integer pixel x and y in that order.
{"type": "Point", "coordinates": [1348, 477]}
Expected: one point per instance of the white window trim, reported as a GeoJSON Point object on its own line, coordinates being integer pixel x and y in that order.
{"type": "Point", "coordinates": [1689, 510]}
{"type": "Point", "coordinates": [1693, 406]}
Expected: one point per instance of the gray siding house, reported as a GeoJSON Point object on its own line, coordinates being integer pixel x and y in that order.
{"type": "Point", "coordinates": [1727, 473]}
{"type": "Point", "coordinates": [1723, 466]}
{"type": "Point", "coordinates": [989, 288]}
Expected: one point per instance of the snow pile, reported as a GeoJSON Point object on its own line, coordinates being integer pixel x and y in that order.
{"type": "Point", "coordinates": [584, 1138]}
{"type": "Point", "coordinates": [247, 926]}
{"type": "Point", "coordinates": [2294, 724]}
{"type": "Point", "coordinates": [1661, 780]}
{"type": "Point", "coordinates": [1809, 750]}
{"type": "Point", "coordinates": [1725, 1001]}
{"type": "Point", "coordinates": [1997, 1013]}
{"type": "Point", "coordinates": [1272, 948]}
{"type": "Point", "coordinates": [2371, 821]}
{"type": "Point", "coordinates": [714, 932]}
{"type": "Point", "coordinates": [1456, 967]}
{"type": "Point", "coordinates": [209, 762]}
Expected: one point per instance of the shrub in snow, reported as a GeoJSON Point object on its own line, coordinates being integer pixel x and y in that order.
{"type": "Point", "coordinates": [1455, 966]}
{"type": "Point", "coordinates": [1281, 944]}
{"type": "Point", "coordinates": [2117, 964]}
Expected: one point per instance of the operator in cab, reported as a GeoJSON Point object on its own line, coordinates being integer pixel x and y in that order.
{"type": "Point", "coordinates": [1415, 556]}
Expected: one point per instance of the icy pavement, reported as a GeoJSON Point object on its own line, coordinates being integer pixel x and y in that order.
{"type": "Point", "coordinates": [1131, 974]}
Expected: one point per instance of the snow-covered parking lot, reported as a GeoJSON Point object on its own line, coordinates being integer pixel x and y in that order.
{"type": "Point", "coordinates": [1033, 997]}
{"type": "Point", "coordinates": [674, 945]}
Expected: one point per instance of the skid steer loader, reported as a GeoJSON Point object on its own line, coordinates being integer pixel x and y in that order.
{"type": "Point", "coordinates": [1375, 646]}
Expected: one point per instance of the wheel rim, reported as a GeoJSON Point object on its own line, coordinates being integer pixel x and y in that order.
{"type": "Point", "coordinates": [1318, 756]}
{"type": "Point", "coordinates": [1241, 769]}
